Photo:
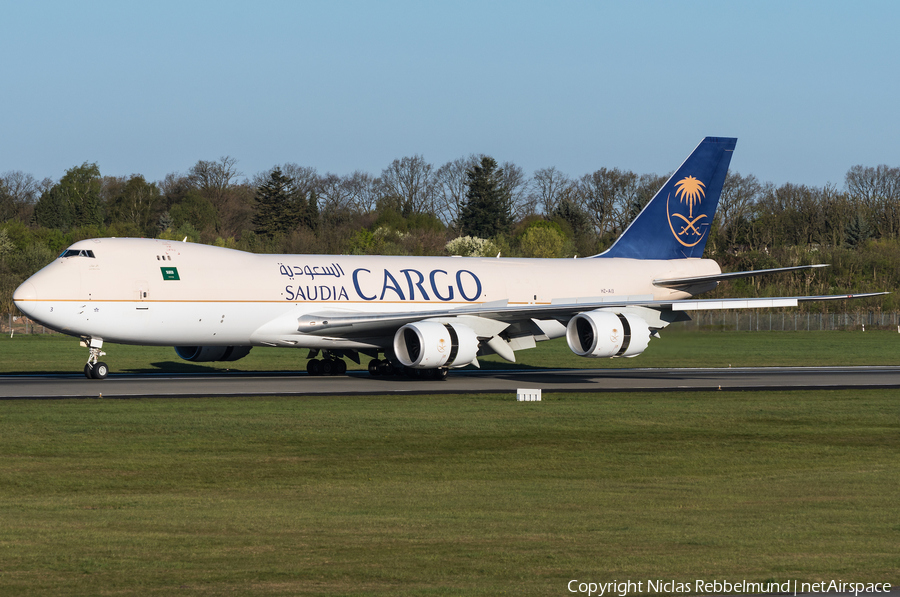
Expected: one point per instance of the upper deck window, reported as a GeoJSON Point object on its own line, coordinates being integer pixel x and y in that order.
{"type": "Point", "coordinates": [77, 253]}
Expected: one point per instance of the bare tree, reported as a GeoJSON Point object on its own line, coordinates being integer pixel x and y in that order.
{"type": "Point", "coordinates": [519, 188]}
{"type": "Point", "coordinates": [18, 194]}
{"type": "Point", "coordinates": [739, 193]}
{"type": "Point", "coordinates": [23, 188]}
{"type": "Point", "coordinates": [410, 184]}
{"type": "Point", "coordinates": [305, 178]}
{"type": "Point", "coordinates": [878, 191]}
{"type": "Point", "coordinates": [733, 216]}
{"type": "Point", "coordinates": [451, 187]}
{"type": "Point", "coordinates": [549, 185]}
{"type": "Point", "coordinates": [362, 191]}
{"type": "Point", "coordinates": [233, 199]}
{"type": "Point", "coordinates": [869, 185]}
{"type": "Point", "coordinates": [838, 210]}
{"type": "Point", "coordinates": [334, 194]}
{"type": "Point", "coordinates": [789, 214]}
{"type": "Point", "coordinates": [606, 196]}
{"type": "Point", "coordinates": [174, 187]}
{"type": "Point", "coordinates": [648, 185]}
{"type": "Point", "coordinates": [235, 209]}
{"type": "Point", "coordinates": [213, 179]}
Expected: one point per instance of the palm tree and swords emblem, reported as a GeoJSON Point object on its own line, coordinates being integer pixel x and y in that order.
{"type": "Point", "coordinates": [690, 190]}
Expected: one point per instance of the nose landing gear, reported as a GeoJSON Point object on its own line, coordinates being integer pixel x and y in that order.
{"type": "Point", "coordinates": [95, 368]}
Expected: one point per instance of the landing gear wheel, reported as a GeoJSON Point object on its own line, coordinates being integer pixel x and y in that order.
{"type": "Point", "coordinates": [95, 368]}
{"type": "Point", "coordinates": [385, 368]}
{"type": "Point", "coordinates": [100, 370]}
{"type": "Point", "coordinates": [314, 367]}
{"type": "Point", "coordinates": [375, 367]}
{"type": "Point", "coordinates": [327, 367]}
{"type": "Point", "coordinates": [340, 367]}
{"type": "Point", "coordinates": [436, 374]}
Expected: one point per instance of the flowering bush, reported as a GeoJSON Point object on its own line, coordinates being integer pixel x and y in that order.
{"type": "Point", "coordinates": [472, 246]}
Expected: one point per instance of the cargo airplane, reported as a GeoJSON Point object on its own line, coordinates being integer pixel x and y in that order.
{"type": "Point", "coordinates": [419, 315]}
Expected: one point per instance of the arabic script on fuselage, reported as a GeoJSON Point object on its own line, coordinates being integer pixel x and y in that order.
{"type": "Point", "coordinates": [364, 284]}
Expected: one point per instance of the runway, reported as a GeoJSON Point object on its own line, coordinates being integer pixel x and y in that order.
{"type": "Point", "coordinates": [57, 386]}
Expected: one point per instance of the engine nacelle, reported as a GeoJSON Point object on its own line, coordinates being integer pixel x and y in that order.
{"type": "Point", "coordinates": [429, 344]}
{"type": "Point", "coordinates": [604, 334]}
{"type": "Point", "coordinates": [204, 354]}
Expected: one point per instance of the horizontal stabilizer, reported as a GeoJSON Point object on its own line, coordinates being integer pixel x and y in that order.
{"type": "Point", "coordinates": [761, 303]}
{"type": "Point", "coordinates": [715, 305]}
{"type": "Point", "coordinates": [679, 282]}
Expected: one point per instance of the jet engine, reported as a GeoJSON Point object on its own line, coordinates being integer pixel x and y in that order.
{"type": "Point", "coordinates": [204, 354]}
{"type": "Point", "coordinates": [429, 344]}
{"type": "Point", "coordinates": [604, 334]}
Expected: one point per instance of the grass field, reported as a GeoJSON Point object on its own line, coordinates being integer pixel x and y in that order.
{"type": "Point", "coordinates": [449, 495]}
{"type": "Point", "coordinates": [676, 348]}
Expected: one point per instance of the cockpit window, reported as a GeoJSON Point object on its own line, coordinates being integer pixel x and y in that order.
{"type": "Point", "coordinates": [77, 253]}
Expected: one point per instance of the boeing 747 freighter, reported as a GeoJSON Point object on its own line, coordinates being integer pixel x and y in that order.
{"type": "Point", "coordinates": [418, 314]}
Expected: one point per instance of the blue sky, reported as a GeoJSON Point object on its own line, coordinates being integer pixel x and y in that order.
{"type": "Point", "coordinates": [809, 88]}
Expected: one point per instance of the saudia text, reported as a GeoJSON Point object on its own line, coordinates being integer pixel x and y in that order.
{"type": "Point", "coordinates": [403, 285]}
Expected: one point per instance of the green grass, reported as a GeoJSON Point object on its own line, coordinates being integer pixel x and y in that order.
{"type": "Point", "coordinates": [447, 495]}
{"type": "Point", "coordinates": [676, 348]}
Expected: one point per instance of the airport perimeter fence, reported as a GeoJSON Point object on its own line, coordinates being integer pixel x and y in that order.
{"type": "Point", "coordinates": [17, 324]}
{"type": "Point", "coordinates": [727, 321]}
{"type": "Point", "coordinates": [749, 320]}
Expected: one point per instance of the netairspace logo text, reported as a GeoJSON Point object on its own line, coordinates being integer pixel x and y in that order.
{"type": "Point", "coordinates": [700, 587]}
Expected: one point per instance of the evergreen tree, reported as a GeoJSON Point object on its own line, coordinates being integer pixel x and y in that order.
{"type": "Point", "coordinates": [856, 231]}
{"type": "Point", "coordinates": [310, 217]}
{"type": "Point", "coordinates": [165, 221]}
{"type": "Point", "coordinates": [487, 211]}
{"type": "Point", "coordinates": [279, 206]}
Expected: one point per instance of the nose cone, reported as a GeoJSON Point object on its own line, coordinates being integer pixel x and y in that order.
{"type": "Point", "coordinates": [25, 292]}
{"type": "Point", "coordinates": [24, 298]}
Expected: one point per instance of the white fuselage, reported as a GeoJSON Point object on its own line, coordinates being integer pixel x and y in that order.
{"type": "Point", "coordinates": [159, 292]}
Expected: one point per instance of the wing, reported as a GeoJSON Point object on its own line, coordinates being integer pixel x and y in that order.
{"type": "Point", "coordinates": [500, 328]}
{"type": "Point", "coordinates": [348, 324]}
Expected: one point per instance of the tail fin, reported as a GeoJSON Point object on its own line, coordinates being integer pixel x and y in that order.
{"type": "Point", "coordinates": [675, 224]}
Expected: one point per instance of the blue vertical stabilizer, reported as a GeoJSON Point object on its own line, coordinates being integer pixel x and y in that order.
{"type": "Point", "coordinates": [676, 222]}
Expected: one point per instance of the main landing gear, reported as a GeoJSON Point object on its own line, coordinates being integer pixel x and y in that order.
{"type": "Point", "coordinates": [330, 365]}
{"type": "Point", "coordinates": [378, 367]}
{"type": "Point", "coordinates": [334, 364]}
{"type": "Point", "coordinates": [95, 368]}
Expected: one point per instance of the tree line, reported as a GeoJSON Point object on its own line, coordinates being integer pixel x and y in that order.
{"type": "Point", "coordinates": [471, 206]}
